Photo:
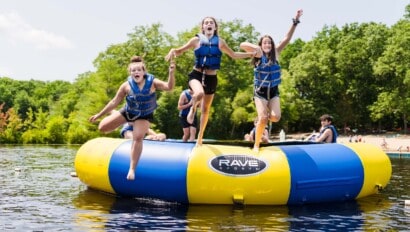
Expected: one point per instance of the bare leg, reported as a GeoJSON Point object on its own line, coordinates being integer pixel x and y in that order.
{"type": "Point", "coordinates": [191, 114]}
{"type": "Point", "coordinates": [197, 96]}
{"type": "Point", "coordinates": [274, 106]}
{"type": "Point", "coordinates": [111, 122]}
{"type": "Point", "coordinates": [186, 134]}
{"type": "Point", "coordinates": [206, 105]}
{"type": "Point", "coordinates": [140, 129]}
{"type": "Point", "coordinates": [192, 133]}
{"type": "Point", "coordinates": [261, 108]}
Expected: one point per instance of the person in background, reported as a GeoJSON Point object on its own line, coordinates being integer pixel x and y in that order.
{"type": "Point", "coordinates": [327, 133]}
{"type": "Point", "coordinates": [267, 77]}
{"type": "Point", "coordinates": [141, 102]}
{"type": "Point", "coordinates": [127, 130]}
{"type": "Point", "coordinates": [384, 144]}
{"type": "Point", "coordinates": [251, 135]}
{"type": "Point", "coordinates": [184, 106]}
{"type": "Point", "coordinates": [208, 48]}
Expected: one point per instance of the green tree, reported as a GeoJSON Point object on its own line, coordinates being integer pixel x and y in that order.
{"type": "Point", "coordinates": [291, 50]}
{"type": "Point", "coordinates": [12, 132]}
{"type": "Point", "coordinates": [36, 132]}
{"type": "Point", "coordinates": [7, 94]}
{"type": "Point", "coordinates": [313, 73]}
{"type": "Point", "coordinates": [333, 74]}
{"type": "Point", "coordinates": [355, 70]}
{"type": "Point", "coordinates": [56, 129]}
{"type": "Point", "coordinates": [166, 115]}
{"type": "Point", "coordinates": [393, 67]}
{"type": "Point", "coordinates": [3, 118]}
{"type": "Point", "coordinates": [22, 104]}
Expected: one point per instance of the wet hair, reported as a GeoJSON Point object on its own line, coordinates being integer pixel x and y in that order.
{"type": "Point", "coordinates": [216, 25]}
{"type": "Point", "coordinates": [137, 59]}
{"type": "Point", "coordinates": [326, 117]}
{"type": "Point", "coordinates": [271, 55]}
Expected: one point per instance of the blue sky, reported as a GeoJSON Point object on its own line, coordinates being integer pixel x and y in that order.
{"type": "Point", "coordinates": [59, 39]}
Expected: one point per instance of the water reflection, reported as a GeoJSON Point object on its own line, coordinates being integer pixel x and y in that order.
{"type": "Point", "coordinates": [104, 211]}
{"type": "Point", "coordinates": [128, 213]}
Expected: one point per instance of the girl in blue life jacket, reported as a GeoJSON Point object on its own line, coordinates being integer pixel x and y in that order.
{"type": "Point", "coordinates": [267, 78]}
{"type": "Point", "coordinates": [139, 93]}
{"type": "Point", "coordinates": [184, 106]}
{"type": "Point", "coordinates": [208, 48]}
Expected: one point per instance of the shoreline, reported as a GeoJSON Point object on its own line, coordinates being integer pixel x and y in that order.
{"type": "Point", "coordinates": [396, 143]}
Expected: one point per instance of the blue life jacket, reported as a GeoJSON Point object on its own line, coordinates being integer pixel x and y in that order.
{"type": "Point", "coordinates": [208, 55]}
{"type": "Point", "coordinates": [334, 132]}
{"type": "Point", "coordinates": [267, 74]}
{"type": "Point", "coordinates": [141, 102]}
{"type": "Point", "coordinates": [126, 127]}
{"type": "Point", "coordinates": [254, 131]}
{"type": "Point", "coordinates": [185, 111]}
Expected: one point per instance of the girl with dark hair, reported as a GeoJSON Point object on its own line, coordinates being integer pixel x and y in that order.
{"type": "Point", "coordinates": [267, 78]}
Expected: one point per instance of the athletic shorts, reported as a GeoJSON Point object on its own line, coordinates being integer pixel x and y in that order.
{"type": "Point", "coordinates": [131, 117]}
{"type": "Point", "coordinates": [184, 122]}
{"type": "Point", "coordinates": [266, 93]}
{"type": "Point", "coordinates": [209, 84]}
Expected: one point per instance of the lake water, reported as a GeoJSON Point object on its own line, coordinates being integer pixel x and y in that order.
{"type": "Point", "coordinates": [37, 193]}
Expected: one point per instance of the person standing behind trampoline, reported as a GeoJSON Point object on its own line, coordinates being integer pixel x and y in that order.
{"type": "Point", "coordinates": [184, 105]}
{"type": "Point", "coordinates": [267, 78]}
{"type": "Point", "coordinates": [208, 48]}
{"type": "Point", "coordinates": [141, 102]}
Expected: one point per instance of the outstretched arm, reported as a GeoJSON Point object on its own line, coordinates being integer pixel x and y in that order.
{"type": "Point", "coordinates": [119, 96]}
{"type": "Point", "coordinates": [250, 47]}
{"type": "Point", "coordinates": [167, 86]}
{"type": "Point", "coordinates": [289, 35]}
{"type": "Point", "coordinates": [234, 55]}
{"type": "Point", "coordinates": [174, 52]}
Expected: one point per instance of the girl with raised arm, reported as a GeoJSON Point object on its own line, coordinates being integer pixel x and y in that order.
{"type": "Point", "coordinates": [267, 78]}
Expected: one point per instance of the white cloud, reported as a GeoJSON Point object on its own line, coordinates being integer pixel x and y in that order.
{"type": "Point", "coordinates": [17, 30]}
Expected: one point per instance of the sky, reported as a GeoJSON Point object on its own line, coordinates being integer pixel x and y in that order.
{"type": "Point", "coordinates": [51, 40]}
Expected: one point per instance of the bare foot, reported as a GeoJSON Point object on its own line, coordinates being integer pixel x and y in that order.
{"type": "Point", "coordinates": [191, 116]}
{"type": "Point", "coordinates": [199, 142]}
{"type": "Point", "coordinates": [131, 174]}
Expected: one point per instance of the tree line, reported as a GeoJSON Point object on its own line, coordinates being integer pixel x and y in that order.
{"type": "Point", "coordinates": [359, 73]}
